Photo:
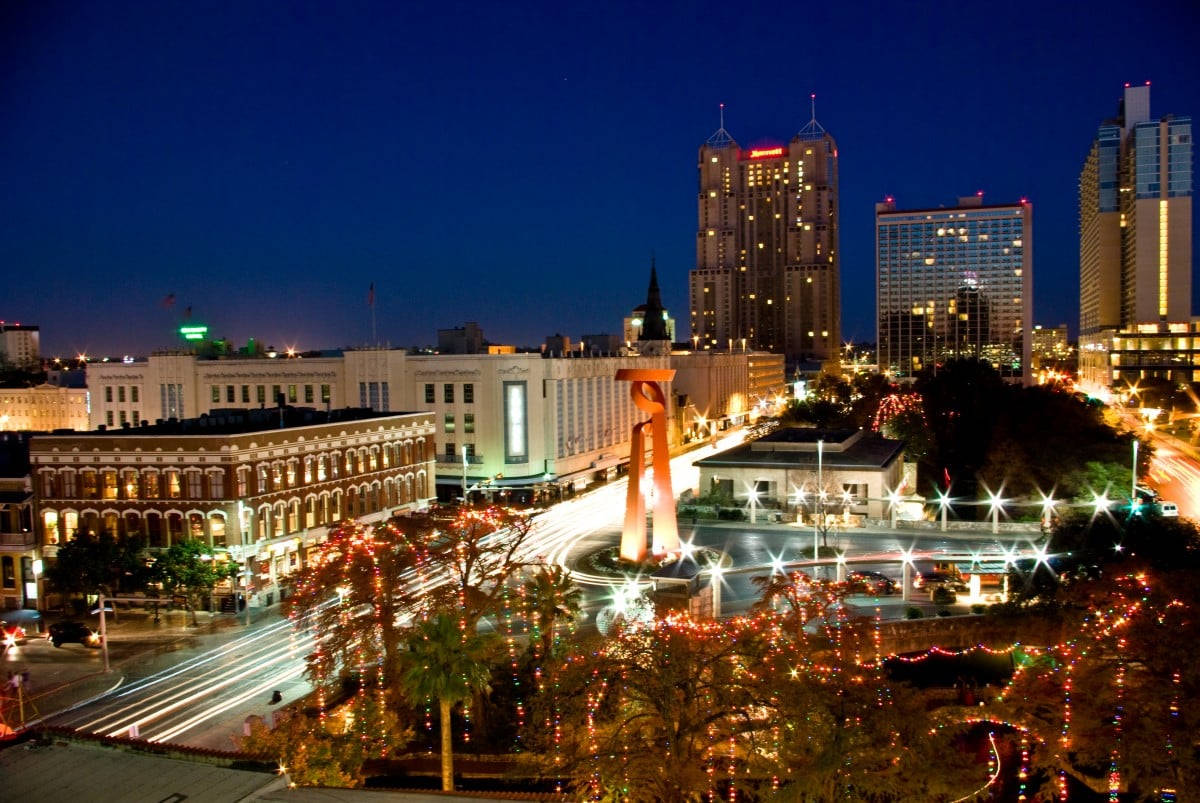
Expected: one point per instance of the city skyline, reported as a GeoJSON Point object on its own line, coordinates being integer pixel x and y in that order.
{"type": "Point", "coordinates": [265, 169]}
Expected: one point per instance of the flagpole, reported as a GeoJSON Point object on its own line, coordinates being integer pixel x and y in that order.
{"type": "Point", "coordinates": [371, 300]}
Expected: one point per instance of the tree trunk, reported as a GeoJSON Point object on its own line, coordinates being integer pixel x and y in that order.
{"type": "Point", "coordinates": [447, 747]}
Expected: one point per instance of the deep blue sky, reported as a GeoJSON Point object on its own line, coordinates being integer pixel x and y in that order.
{"type": "Point", "coordinates": [509, 164]}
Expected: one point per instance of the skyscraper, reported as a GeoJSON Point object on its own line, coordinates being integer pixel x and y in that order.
{"type": "Point", "coordinates": [1135, 245]}
{"type": "Point", "coordinates": [954, 282]}
{"type": "Point", "coordinates": [767, 260]}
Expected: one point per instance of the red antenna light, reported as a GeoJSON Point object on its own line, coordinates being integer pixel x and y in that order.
{"type": "Point", "coordinates": [1147, 83]}
{"type": "Point", "coordinates": [979, 193]}
{"type": "Point", "coordinates": [1127, 85]}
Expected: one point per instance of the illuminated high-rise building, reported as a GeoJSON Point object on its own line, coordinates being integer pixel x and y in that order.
{"type": "Point", "coordinates": [954, 282]}
{"type": "Point", "coordinates": [1135, 246]}
{"type": "Point", "coordinates": [767, 258]}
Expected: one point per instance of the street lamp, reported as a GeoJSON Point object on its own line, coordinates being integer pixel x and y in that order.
{"type": "Point", "coordinates": [1101, 502]}
{"type": "Point", "coordinates": [464, 476]}
{"type": "Point", "coordinates": [996, 502]}
{"type": "Point", "coordinates": [1133, 475]}
{"type": "Point", "coordinates": [820, 522]}
{"type": "Point", "coordinates": [944, 504]}
{"type": "Point", "coordinates": [1048, 503]}
{"type": "Point", "coordinates": [893, 499]}
{"type": "Point", "coordinates": [715, 581]}
{"type": "Point", "coordinates": [752, 495]}
{"type": "Point", "coordinates": [246, 575]}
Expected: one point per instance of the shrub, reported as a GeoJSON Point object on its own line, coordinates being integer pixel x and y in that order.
{"type": "Point", "coordinates": [943, 612]}
{"type": "Point", "coordinates": [913, 613]}
{"type": "Point", "coordinates": [979, 607]}
{"type": "Point", "coordinates": [943, 595]}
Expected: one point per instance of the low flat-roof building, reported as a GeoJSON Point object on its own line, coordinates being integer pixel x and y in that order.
{"type": "Point", "coordinates": [788, 468]}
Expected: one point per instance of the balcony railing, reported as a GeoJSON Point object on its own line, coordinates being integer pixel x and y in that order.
{"type": "Point", "coordinates": [18, 539]}
{"type": "Point", "coordinates": [457, 460]}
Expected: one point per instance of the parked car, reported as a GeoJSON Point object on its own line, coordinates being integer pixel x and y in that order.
{"type": "Point", "coordinates": [877, 582]}
{"type": "Point", "coordinates": [930, 580]}
{"type": "Point", "coordinates": [73, 633]}
{"type": "Point", "coordinates": [11, 634]}
{"type": "Point", "coordinates": [1168, 510]}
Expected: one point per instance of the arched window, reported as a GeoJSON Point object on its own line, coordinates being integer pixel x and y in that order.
{"type": "Point", "coordinates": [50, 526]}
{"type": "Point", "coordinates": [278, 519]}
{"type": "Point", "coordinates": [321, 471]}
{"type": "Point", "coordinates": [174, 528]}
{"type": "Point", "coordinates": [129, 484]}
{"type": "Point", "coordinates": [264, 522]}
{"type": "Point", "coordinates": [293, 522]}
{"type": "Point", "coordinates": [196, 526]}
{"type": "Point", "coordinates": [216, 526]}
{"type": "Point", "coordinates": [310, 512]}
{"type": "Point", "coordinates": [308, 470]}
{"type": "Point", "coordinates": [154, 530]}
{"type": "Point", "coordinates": [108, 480]}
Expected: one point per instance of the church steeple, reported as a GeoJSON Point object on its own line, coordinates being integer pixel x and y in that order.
{"type": "Point", "coordinates": [654, 321]}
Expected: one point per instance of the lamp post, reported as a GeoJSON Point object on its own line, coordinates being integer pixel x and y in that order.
{"type": "Point", "coordinates": [246, 575]}
{"type": "Point", "coordinates": [464, 473]}
{"type": "Point", "coordinates": [1133, 475]}
{"type": "Point", "coordinates": [996, 503]}
{"type": "Point", "coordinates": [893, 498]}
{"type": "Point", "coordinates": [752, 495]}
{"type": "Point", "coordinates": [715, 582]}
{"type": "Point", "coordinates": [1048, 503]}
{"type": "Point", "coordinates": [820, 522]}
{"type": "Point", "coordinates": [944, 504]}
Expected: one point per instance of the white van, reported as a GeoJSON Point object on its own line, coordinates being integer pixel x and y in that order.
{"type": "Point", "coordinates": [1168, 510]}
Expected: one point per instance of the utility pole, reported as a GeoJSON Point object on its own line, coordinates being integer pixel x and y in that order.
{"type": "Point", "coordinates": [103, 634]}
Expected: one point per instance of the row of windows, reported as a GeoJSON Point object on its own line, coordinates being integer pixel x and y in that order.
{"type": "Point", "coordinates": [450, 423]}
{"type": "Point", "coordinates": [123, 417]}
{"type": "Point", "coordinates": [292, 396]}
{"type": "Point", "coordinates": [468, 393]}
{"type": "Point", "coordinates": [172, 483]}
{"type": "Point", "coordinates": [108, 393]}
{"type": "Point", "coordinates": [282, 518]}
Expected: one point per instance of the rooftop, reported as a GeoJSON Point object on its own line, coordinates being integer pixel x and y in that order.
{"type": "Point", "coordinates": [796, 448]}
{"type": "Point", "coordinates": [240, 422]}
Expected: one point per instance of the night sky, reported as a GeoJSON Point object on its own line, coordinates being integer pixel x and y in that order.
{"type": "Point", "coordinates": [514, 165]}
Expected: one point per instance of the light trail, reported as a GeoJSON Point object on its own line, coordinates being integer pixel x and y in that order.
{"type": "Point", "coordinates": [174, 700]}
{"type": "Point", "coordinates": [285, 674]}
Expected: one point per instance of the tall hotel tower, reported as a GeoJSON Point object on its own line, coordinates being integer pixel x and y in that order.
{"type": "Point", "coordinates": [1135, 248]}
{"type": "Point", "coordinates": [767, 259]}
{"type": "Point", "coordinates": [954, 282]}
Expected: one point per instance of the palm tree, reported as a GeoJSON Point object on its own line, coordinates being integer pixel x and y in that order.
{"type": "Point", "coordinates": [551, 597]}
{"type": "Point", "coordinates": [449, 665]}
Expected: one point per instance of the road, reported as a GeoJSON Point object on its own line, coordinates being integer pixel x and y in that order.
{"type": "Point", "coordinates": [1176, 476]}
{"type": "Point", "coordinates": [202, 696]}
